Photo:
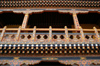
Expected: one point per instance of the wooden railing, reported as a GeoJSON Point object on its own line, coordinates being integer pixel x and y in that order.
{"type": "Point", "coordinates": [62, 35]}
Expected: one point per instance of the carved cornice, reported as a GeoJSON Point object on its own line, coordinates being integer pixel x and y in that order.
{"type": "Point", "coordinates": [50, 3]}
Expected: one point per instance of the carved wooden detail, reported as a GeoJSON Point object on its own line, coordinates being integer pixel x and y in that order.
{"type": "Point", "coordinates": [34, 37]}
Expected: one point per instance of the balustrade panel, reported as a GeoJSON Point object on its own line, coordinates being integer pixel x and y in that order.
{"type": "Point", "coordinates": [57, 38]}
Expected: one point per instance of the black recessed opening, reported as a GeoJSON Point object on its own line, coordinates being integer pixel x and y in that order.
{"type": "Point", "coordinates": [10, 18]}
{"type": "Point", "coordinates": [89, 18]}
{"type": "Point", "coordinates": [43, 63]}
{"type": "Point", "coordinates": [54, 19]}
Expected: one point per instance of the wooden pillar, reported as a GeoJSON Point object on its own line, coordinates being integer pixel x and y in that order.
{"type": "Point", "coordinates": [82, 34]}
{"type": "Point", "coordinates": [25, 20]}
{"type": "Point", "coordinates": [75, 18]}
{"type": "Point", "coordinates": [18, 33]}
{"type": "Point", "coordinates": [34, 33]}
{"type": "Point", "coordinates": [50, 33]}
{"type": "Point", "coordinates": [97, 34]}
{"type": "Point", "coordinates": [66, 34]}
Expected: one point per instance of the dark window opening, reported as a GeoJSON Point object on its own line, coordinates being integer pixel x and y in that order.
{"type": "Point", "coordinates": [43, 63]}
{"type": "Point", "coordinates": [89, 20]}
{"type": "Point", "coordinates": [54, 19]}
{"type": "Point", "coordinates": [10, 19]}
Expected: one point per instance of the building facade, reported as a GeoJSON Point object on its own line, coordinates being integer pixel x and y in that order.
{"type": "Point", "coordinates": [66, 31]}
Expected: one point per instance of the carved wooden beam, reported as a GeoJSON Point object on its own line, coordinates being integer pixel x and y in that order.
{"type": "Point", "coordinates": [97, 34]}
{"type": "Point", "coordinates": [66, 34]}
{"type": "Point", "coordinates": [2, 34]}
{"type": "Point", "coordinates": [82, 34]}
{"type": "Point", "coordinates": [18, 33]}
{"type": "Point", "coordinates": [50, 33]}
{"type": "Point", "coordinates": [34, 32]}
{"type": "Point", "coordinates": [65, 11]}
{"type": "Point", "coordinates": [28, 11]}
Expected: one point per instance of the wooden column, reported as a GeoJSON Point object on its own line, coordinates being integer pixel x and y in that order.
{"type": "Point", "coordinates": [18, 33]}
{"type": "Point", "coordinates": [97, 34]}
{"type": "Point", "coordinates": [2, 34]}
{"type": "Point", "coordinates": [75, 18]}
{"type": "Point", "coordinates": [66, 34]}
{"type": "Point", "coordinates": [34, 33]}
{"type": "Point", "coordinates": [50, 33]}
{"type": "Point", "coordinates": [25, 20]}
{"type": "Point", "coordinates": [82, 34]}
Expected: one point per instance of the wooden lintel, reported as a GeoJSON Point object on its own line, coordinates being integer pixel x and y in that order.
{"type": "Point", "coordinates": [18, 33]}
{"type": "Point", "coordinates": [34, 32]}
{"type": "Point", "coordinates": [66, 33]}
{"type": "Point", "coordinates": [2, 34]}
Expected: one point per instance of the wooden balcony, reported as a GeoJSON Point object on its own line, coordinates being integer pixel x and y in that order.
{"type": "Point", "coordinates": [61, 36]}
